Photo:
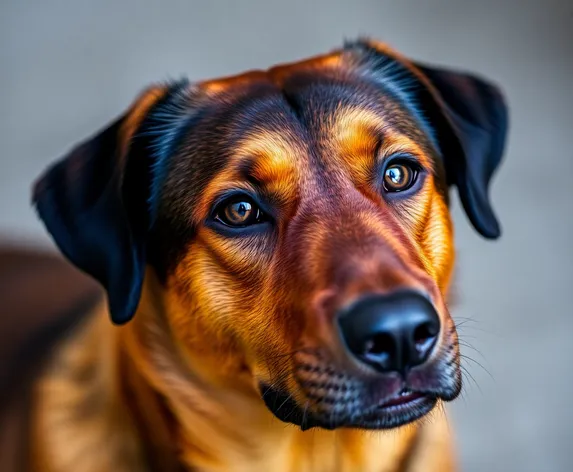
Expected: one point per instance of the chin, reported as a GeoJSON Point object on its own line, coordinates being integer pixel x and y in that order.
{"type": "Point", "coordinates": [401, 409]}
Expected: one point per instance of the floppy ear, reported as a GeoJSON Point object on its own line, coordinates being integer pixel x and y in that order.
{"type": "Point", "coordinates": [97, 202]}
{"type": "Point", "coordinates": [471, 120]}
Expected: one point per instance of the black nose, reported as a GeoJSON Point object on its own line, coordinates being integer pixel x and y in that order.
{"type": "Point", "coordinates": [391, 333]}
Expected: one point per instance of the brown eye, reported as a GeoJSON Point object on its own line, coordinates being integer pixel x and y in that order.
{"type": "Point", "coordinates": [399, 177]}
{"type": "Point", "coordinates": [239, 212]}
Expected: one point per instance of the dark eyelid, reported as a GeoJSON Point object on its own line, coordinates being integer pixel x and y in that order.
{"type": "Point", "coordinates": [225, 196]}
{"type": "Point", "coordinates": [402, 158]}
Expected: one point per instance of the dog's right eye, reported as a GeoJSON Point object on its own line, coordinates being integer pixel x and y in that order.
{"type": "Point", "coordinates": [239, 212]}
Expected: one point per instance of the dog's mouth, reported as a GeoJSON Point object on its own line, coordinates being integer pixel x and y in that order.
{"type": "Point", "coordinates": [320, 394]}
{"type": "Point", "coordinates": [404, 407]}
{"type": "Point", "coordinates": [405, 399]}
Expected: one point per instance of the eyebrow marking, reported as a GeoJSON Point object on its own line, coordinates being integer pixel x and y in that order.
{"type": "Point", "coordinates": [266, 162]}
{"type": "Point", "coordinates": [394, 142]}
{"type": "Point", "coordinates": [268, 159]}
{"type": "Point", "coordinates": [356, 132]}
{"type": "Point", "coordinates": [269, 145]}
{"type": "Point", "coordinates": [362, 138]}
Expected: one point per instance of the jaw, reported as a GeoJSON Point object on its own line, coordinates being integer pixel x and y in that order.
{"type": "Point", "coordinates": [217, 413]}
{"type": "Point", "coordinates": [220, 426]}
{"type": "Point", "coordinates": [206, 435]}
{"type": "Point", "coordinates": [388, 415]}
{"type": "Point", "coordinates": [316, 391]}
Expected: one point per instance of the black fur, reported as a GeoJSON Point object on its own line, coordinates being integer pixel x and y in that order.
{"type": "Point", "coordinates": [94, 202]}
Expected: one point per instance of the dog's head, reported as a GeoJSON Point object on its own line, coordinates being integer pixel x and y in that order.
{"type": "Point", "coordinates": [297, 219]}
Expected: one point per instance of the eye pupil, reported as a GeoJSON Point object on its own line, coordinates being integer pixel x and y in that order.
{"type": "Point", "coordinates": [398, 177]}
{"type": "Point", "coordinates": [238, 213]}
{"type": "Point", "coordinates": [395, 175]}
{"type": "Point", "coordinates": [243, 208]}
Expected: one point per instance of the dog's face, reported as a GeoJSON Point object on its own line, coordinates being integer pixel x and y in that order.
{"type": "Point", "coordinates": [298, 221]}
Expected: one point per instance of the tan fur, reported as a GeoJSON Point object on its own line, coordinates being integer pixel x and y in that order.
{"type": "Point", "coordinates": [81, 424]}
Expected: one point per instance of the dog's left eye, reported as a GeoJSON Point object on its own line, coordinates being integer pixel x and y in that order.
{"type": "Point", "coordinates": [399, 176]}
{"type": "Point", "coordinates": [238, 212]}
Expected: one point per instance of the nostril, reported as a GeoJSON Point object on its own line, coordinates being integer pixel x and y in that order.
{"type": "Point", "coordinates": [424, 335]}
{"type": "Point", "coordinates": [378, 345]}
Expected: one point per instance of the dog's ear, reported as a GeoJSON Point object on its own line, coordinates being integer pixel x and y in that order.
{"type": "Point", "coordinates": [470, 117]}
{"type": "Point", "coordinates": [466, 115]}
{"type": "Point", "coordinates": [98, 202]}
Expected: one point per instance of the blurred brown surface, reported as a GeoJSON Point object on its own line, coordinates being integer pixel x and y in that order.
{"type": "Point", "coordinates": [41, 296]}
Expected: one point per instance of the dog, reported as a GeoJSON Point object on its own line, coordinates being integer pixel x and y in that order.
{"type": "Point", "coordinates": [276, 251]}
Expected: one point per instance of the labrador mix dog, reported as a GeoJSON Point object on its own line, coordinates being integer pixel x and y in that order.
{"type": "Point", "coordinates": [276, 250]}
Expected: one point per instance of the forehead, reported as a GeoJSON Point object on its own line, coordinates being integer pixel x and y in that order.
{"type": "Point", "coordinates": [291, 120]}
{"type": "Point", "coordinates": [314, 94]}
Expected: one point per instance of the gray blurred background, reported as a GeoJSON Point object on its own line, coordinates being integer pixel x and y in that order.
{"type": "Point", "coordinates": [67, 68]}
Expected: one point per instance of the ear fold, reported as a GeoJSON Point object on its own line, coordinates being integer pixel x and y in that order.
{"type": "Point", "coordinates": [472, 126]}
{"type": "Point", "coordinates": [95, 202]}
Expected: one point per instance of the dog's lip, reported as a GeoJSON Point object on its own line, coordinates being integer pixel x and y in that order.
{"type": "Point", "coordinates": [405, 398]}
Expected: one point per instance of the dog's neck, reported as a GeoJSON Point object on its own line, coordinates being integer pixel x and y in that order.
{"type": "Point", "coordinates": [198, 424]}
